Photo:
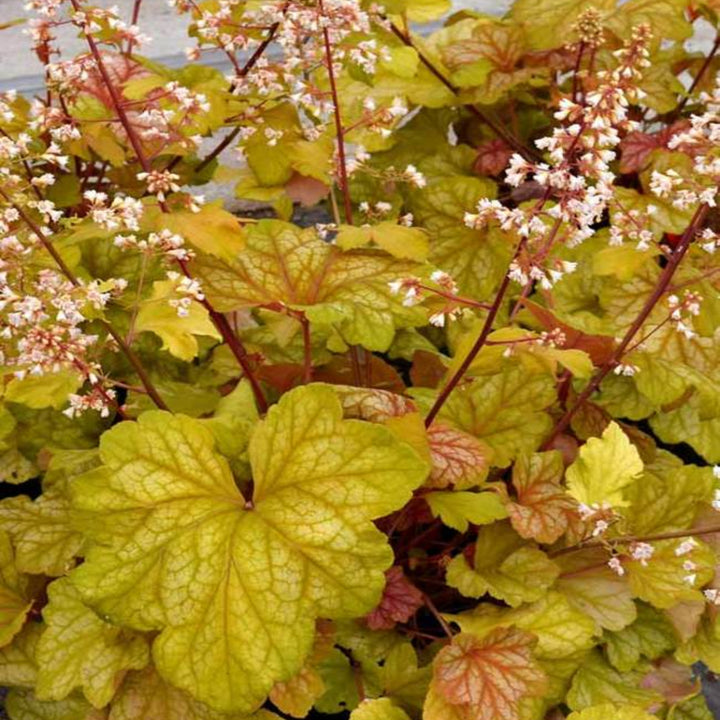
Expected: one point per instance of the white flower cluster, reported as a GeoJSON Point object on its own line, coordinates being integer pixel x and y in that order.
{"type": "Point", "coordinates": [123, 212]}
{"type": "Point", "coordinates": [160, 182]}
{"type": "Point", "coordinates": [577, 177]}
{"type": "Point", "coordinates": [689, 304]}
{"type": "Point", "coordinates": [188, 289]}
{"type": "Point", "coordinates": [40, 325]}
{"type": "Point", "coordinates": [164, 243]}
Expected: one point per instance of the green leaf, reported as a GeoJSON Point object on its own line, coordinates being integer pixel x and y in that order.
{"type": "Point", "coordinates": [419, 10]}
{"type": "Point", "coordinates": [213, 230]}
{"type": "Point", "coordinates": [343, 291]}
{"type": "Point", "coordinates": [693, 709]}
{"type": "Point", "coordinates": [614, 711]}
{"type": "Point", "coordinates": [650, 636]}
{"type": "Point", "coordinates": [145, 695]}
{"type": "Point", "coordinates": [666, 19]}
{"type": "Point", "coordinates": [231, 425]}
{"type": "Point", "coordinates": [688, 423]}
{"type": "Point", "coordinates": [667, 495]}
{"type": "Point", "coordinates": [561, 630]}
{"type": "Point", "coordinates": [235, 583]}
{"type": "Point", "coordinates": [604, 467]}
{"type": "Point", "coordinates": [543, 509]}
{"type": "Point", "coordinates": [402, 679]}
{"type": "Point", "coordinates": [401, 242]}
{"type": "Point", "coordinates": [663, 581]}
{"type": "Point", "coordinates": [592, 587]}
{"type": "Point", "coordinates": [403, 61]}
{"type": "Point", "coordinates": [17, 660]}
{"type": "Point", "coordinates": [457, 509]}
{"type": "Point", "coordinates": [45, 542]}
{"type": "Point", "coordinates": [541, 19]}
{"type": "Point", "coordinates": [177, 333]}
{"type": "Point", "coordinates": [596, 682]}
{"type": "Point", "coordinates": [79, 650]}
{"type": "Point", "coordinates": [476, 259]}
{"type": "Point", "coordinates": [14, 601]}
{"type": "Point", "coordinates": [43, 391]}
{"type": "Point", "coordinates": [506, 411]}
{"type": "Point", "coordinates": [378, 709]}
{"type": "Point", "coordinates": [23, 705]}
{"type": "Point", "coordinates": [505, 566]}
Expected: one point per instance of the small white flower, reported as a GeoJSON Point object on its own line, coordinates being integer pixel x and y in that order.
{"type": "Point", "coordinates": [616, 566]}
{"type": "Point", "coordinates": [685, 547]}
{"type": "Point", "coordinates": [642, 551]}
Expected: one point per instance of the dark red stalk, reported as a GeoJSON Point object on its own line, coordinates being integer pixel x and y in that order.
{"type": "Point", "coordinates": [70, 275]}
{"type": "Point", "coordinates": [219, 320]}
{"type": "Point", "coordinates": [342, 164]}
{"type": "Point", "coordinates": [671, 534]}
{"type": "Point", "coordinates": [527, 153]}
{"type": "Point", "coordinates": [660, 289]}
{"type": "Point", "coordinates": [478, 345]}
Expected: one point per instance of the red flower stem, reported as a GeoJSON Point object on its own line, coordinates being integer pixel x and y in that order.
{"type": "Point", "coordinates": [479, 343]}
{"type": "Point", "coordinates": [437, 615]}
{"type": "Point", "coordinates": [342, 163]}
{"type": "Point", "coordinates": [218, 319]}
{"type": "Point", "coordinates": [658, 292]}
{"type": "Point", "coordinates": [696, 81]}
{"type": "Point", "coordinates": [527, 153]}
{"type": "Point", "coordinates": [70, 275]}
{"type": "Point", "coordinates": [623, 539]}
{"type": "Point", "coordinates": [244, 70]}
{"type": "Point", "coordinates": [576, 70]}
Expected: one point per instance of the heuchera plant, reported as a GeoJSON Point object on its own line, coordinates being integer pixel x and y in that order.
{"type": "Point", "coordinates": [448, 455]}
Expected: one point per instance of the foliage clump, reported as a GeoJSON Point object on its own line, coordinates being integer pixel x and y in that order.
{"type": "Point", "coordinates": [451, 454]}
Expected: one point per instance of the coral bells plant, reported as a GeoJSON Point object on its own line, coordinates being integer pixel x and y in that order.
{"type": "Point", "coordinates": [450, 453]}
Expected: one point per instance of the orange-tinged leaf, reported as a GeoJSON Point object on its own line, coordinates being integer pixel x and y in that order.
{"type": "Point", "coordinates": [636, 147]}
{"type": "Point", "coordinates": [500, 43]}
{"type": "Point", "coordinates": [345, 295]}
{"type": "Point", "coordinates": [458, 458]}
{"type": "Point", "coordinates": [672, 680]}
{"type": "Point", "coordinates": [375, 373]}
{"type": "Point", "coordinates": [492, 157]}
{"type": "Point", "coordinates": [598, 347]}
{"type": "Point", "coordinates": [543, 509]}
{"type": "Point", "coordinates": [298, 694]}
{"type": "Point", "coordinates": [400, 601]}
{"type": "Point", "coordinates": [487, 678]}
{"type": "Point", "coordinates": [372, 405]}
{"type": "Point", "coordinates": [427, 369]}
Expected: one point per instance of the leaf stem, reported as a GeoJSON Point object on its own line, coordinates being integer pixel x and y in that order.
{"type": "Point", "coordinates": [623, 539]}
{"type": "Point", "coordinates": [72, 278]}
{"type": "Point", "coordinates": [660, 289]}
{"type": "Point", "coordinates": [218, 319]}
{"type": "Point", "coordinates": [244, 70]}
{"type": "Point", "coordinates": [527, 153]}
{"type": "Point", "coordinates": [437, 615]}
{"type": "Point", "coordinates": [342, 164]}
{"type": "Point", "coordinates": [696, 80]}
{"type": "Point", "coordinates": [478, 345]}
